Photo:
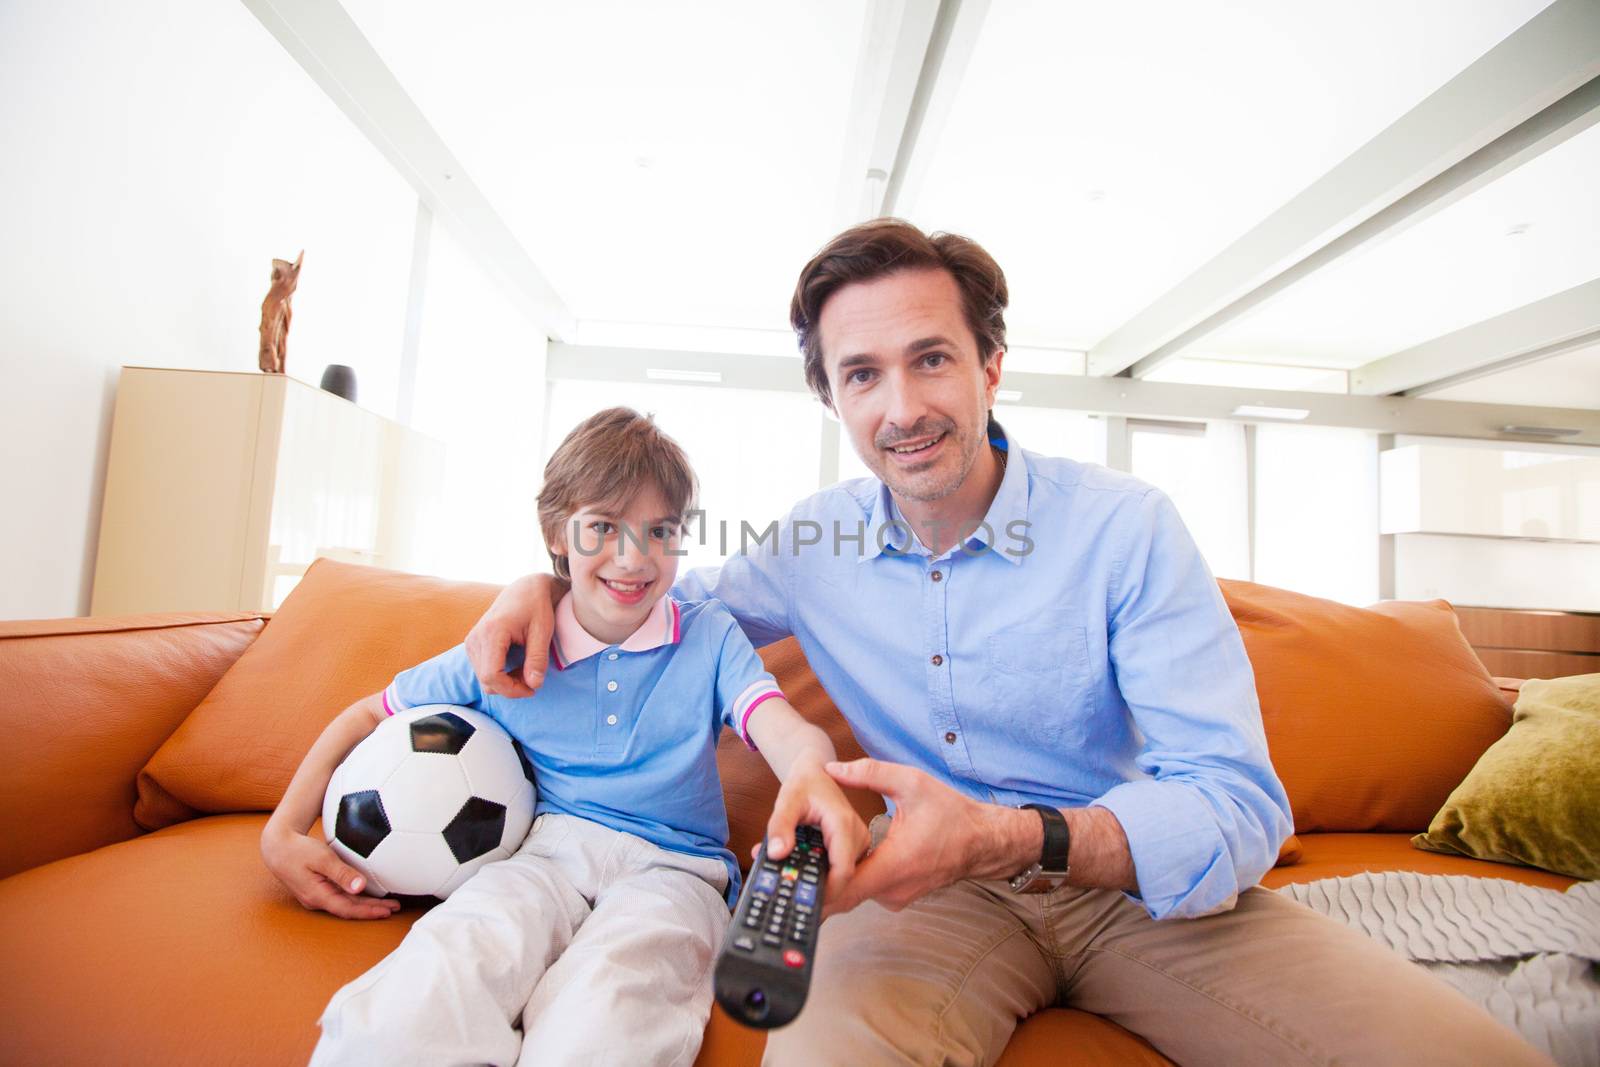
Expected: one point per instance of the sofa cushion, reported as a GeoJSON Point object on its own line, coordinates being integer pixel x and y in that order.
{"type": "Point", "coordinates": [1372, 714]}
{"type": "Point", "coordinates": [87, 701]}
{"type": "Point", "coordinates": [1341, 855]}
{"type": "Point", "coordinates": [183, 949]}
{"type": "Point", "coordinates": [1534, 797]}
{"type": "Point", "coordinates": [175, 947]}
{"type": "Point", "coordinates": [344, 632]}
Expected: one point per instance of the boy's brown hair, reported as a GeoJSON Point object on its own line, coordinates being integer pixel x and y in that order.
{"type": "Point", "coordinates": [603, 464]}
{"type": "Point", "coordinates": [887, 246]}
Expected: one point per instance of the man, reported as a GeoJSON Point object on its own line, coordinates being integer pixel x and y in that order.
{"type": "Point", "coordinates": [1001, 629]}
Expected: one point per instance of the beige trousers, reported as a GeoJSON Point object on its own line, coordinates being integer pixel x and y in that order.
{"type": "Point", "coordinates": [946, 981]}
{"type": "Point", "coordinates": [589, 947]}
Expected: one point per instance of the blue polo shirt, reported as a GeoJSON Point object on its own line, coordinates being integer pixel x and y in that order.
{"type": "Point", "coordinates": [626, 734]}
{"type": "Point", "coordinates": [1075, 651]}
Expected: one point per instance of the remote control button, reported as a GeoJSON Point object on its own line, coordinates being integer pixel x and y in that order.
{"type": "Point", "coordinates": [771, 939]}
{"type": "Point", "coordinates": [744, 943]}
{"type": "Point", "coordinates": [791, 873]}
{"type": "Point", "coordinates": [807, 894]}
{"type": "Point", "coordinates": [803, 909]}
{"type": "Point", "coordinates": [752, 921]}
{"type": "Point", "coordinates": [766, 882]}
{"type": "Point", "coordinates": [810, 878]}
{"type": "Point", "coordinates": [794, 957]}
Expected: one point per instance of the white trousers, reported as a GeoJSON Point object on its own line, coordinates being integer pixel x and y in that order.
{"type": "Point", "coordinates": [589, 946]}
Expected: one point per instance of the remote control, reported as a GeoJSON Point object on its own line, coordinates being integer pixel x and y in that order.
{"type": "Point", "coordinates": [764, 971]}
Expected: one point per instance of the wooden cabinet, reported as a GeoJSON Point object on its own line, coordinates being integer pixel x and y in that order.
{"type": "Point", "coordinates": [221, 488]}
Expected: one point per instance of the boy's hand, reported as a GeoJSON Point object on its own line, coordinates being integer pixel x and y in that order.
{"type": "Point", "coordinates": [811, 796]}
{"type": "Point", "coordinates": [318, 878]}
{"type": "Point", "coordinates": [523, 614]}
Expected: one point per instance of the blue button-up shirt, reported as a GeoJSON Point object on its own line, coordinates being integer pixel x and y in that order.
{"type": "Point", "coordinates": [1075, 651]}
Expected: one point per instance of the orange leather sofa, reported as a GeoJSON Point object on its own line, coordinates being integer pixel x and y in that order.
{"type": "Point", "coordinates": [138, 925]}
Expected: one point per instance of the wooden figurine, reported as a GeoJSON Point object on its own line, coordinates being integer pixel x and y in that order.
{"type": "Point", "coordinates": [275, 313]}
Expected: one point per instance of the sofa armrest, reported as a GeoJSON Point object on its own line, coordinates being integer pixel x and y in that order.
{"type": "Point", "coordinates": [84, 703]}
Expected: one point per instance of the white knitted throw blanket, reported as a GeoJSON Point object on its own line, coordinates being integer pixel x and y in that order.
{"type": "Point", "coordinates": [1527, 955]}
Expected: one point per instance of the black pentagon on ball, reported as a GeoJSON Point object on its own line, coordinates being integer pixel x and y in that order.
{"type": "Point", "coordinates": [476, 829]}
{"type": "Point", "coordinates": [361, 823]}
{"type": "Point", "coordinates": [527, 764]}
{"type": "Point", "coordinates": [444, 732]}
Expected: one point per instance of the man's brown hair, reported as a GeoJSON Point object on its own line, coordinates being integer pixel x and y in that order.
{"type": "Point", "coordinates": [882, 247]}
{"type": "Point", "coordinates": [603, 464]}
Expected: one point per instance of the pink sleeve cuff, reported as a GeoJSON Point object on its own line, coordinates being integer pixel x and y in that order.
{"type": "Point", "coordinates": [744, 720]}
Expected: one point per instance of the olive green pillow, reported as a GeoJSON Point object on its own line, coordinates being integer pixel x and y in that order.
{"type": "Point", "coordinates": [1534, 796]}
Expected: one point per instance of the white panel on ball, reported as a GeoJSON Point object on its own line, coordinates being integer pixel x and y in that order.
{"type": "Point", "coordinates": [492, 768]}
{"type": "Point", "coordinates": [415, 864]}
{"type": "Point", "coordinates": [425, 792]}
{"type": "Point", "coordinates": [371, 762]}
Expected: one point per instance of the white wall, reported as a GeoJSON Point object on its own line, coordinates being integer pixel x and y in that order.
{"type": "Point", "coordinates": [154, 158]}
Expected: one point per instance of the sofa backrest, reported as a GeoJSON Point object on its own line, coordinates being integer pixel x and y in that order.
{"type": "Point", "coordinates": [85, 704]}
{"type": "Point", "coordinates": [1372, 715]}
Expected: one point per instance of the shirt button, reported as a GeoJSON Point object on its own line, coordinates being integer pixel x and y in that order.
{"type": "Point", "coordinates": [611, 687]}
{"type": "Point", "coordinates": [612, 655]}
{"type": "Point", "coordinates": [950, 738]}
{"type": "Point", "coordinates": [611, 720]}
{"type": "Point", "coordinates": [937, 659]}
{"type": "Point", "coordinates": [937, 576]}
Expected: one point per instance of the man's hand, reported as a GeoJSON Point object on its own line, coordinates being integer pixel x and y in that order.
{"type": "Point", "coordinates": [523, 614]}
{"type": "Point", "coordinates": [937, 837]}
{"type": "Point", "coordinates": [810, 796]}
{"type": "Point", "coordinates": [319, 879]}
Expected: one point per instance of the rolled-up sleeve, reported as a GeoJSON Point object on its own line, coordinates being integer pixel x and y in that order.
{"type": "Point", "coordinates": [1208, 821]}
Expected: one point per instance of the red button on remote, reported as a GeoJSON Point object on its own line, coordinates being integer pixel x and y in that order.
{"type": "Point", "coordinates": [794, 957]}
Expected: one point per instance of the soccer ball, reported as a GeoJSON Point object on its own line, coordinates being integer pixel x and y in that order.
{"type": "Point", "coordinates": [430, 796]}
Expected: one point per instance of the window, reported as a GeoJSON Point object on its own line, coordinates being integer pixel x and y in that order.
{"type": "Point", "coordinates": [1202, 468]}
{"type": "Point", "coordinates": [755, 452]}
{"type": "Point", "coordinates": [1317, 511]}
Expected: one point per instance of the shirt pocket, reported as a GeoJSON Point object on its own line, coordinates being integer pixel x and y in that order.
{"type": "Point", "coordinates": [1040, 683]}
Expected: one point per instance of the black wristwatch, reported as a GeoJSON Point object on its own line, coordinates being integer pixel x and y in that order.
{"type": "Point", "coordinates": [1053, 866]}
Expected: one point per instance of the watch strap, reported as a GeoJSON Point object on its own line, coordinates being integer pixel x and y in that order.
{"type": "Point", "coordinates": [1053, 865]}
{"type": "Point", "coordinates": [1054, 859]}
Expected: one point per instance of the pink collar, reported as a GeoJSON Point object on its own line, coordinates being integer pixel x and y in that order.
{"type": "Point", "coordinates": [573, 643]}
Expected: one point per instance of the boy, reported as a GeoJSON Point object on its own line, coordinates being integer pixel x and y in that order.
{"type": "Point", "coordinates": [595, 941]}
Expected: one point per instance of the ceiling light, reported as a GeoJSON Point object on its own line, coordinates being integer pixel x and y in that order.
{"type": "Point", "coordinates": [1541, 431]}
{"type": "Point", "coordinates": [666, 374]}
{"type": "Point", "coordinates": [1010, 396]}
{"type": "Point", "coordinates": [1262, 411]}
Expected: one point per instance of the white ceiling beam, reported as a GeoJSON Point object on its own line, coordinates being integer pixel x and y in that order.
{"type": "Point", "coordinates": [895, 35]}
{"type": "Point", "coordinates": [950, 45]}
{"type": "Point", "coordinates": [1544, 328]}
{"type": "Point", "coordinates": [1115, 397]}
{"type": "Point", "coordinates": [1436, 153]}
{"type": "Point", "coordinates": [326, 42]}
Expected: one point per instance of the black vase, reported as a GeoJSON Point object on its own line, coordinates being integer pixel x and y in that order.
{"type": "Point", "coordinates": [340, 381]}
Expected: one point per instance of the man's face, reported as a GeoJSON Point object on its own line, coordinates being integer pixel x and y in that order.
{"type": "Point", "coordinates": [907, 380]}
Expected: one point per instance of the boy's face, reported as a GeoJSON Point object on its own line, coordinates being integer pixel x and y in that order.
{"type": "Point", "coordinates": [907, 380]}
{"type": "Point", "coordinates": [620, 563]}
